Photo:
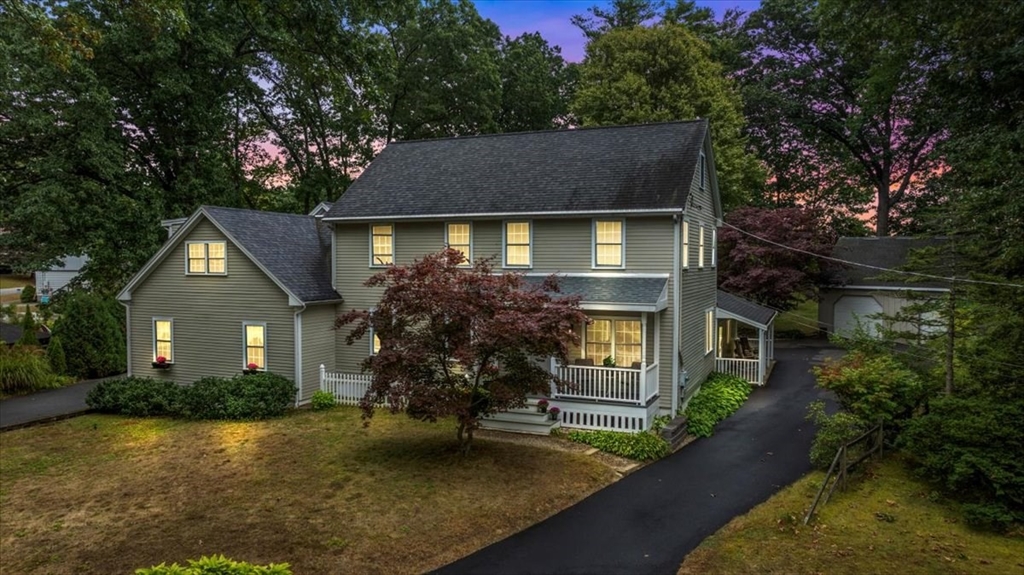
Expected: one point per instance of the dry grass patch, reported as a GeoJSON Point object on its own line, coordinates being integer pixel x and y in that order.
{"type": "Point", "coordinates": [105, 494]}
{"type": "Point", "coordinates": [888, 523]}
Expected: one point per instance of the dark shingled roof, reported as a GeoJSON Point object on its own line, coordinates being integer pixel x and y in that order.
{"type": "Point", "coordinates": [644, 291]}
{"type": "Point", "coordinates": [890, 253]}
{"type": "Point", "coordinates": [610, 169]}
{"type": "Point", "coordinates": [10, 334]}
{"type": "Point", "coordinates": [745, 308]}
{"type": "Point", "coordinates": [296, 249]}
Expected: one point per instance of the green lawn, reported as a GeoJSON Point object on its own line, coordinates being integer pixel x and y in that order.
{"type": "Point", "coordinates": [886, 523]}
{"type": "Point", "coordinates": [107, 494]}
{"type": "Point", "coordinates": [803, 319]}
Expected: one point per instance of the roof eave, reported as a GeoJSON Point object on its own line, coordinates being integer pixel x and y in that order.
{"type": "Point", "coordinates": [539, 214]}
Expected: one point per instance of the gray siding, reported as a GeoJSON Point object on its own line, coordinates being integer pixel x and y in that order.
{"type": "Point", "coordinates": [318, 345]}
{"type": "Point", "coordinates": [208, 312]}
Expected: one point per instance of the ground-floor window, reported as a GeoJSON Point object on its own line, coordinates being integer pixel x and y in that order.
{"type": "Point", "coordinates": [255, 335]}
{"type": "Point", "coordinates": [163, 340]}
{"type": "Point", "coordinates": [617, 340]}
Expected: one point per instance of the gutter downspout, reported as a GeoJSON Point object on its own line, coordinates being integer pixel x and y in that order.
{"type": "Point", "coordinates": [676, 314]}
{"type": "Point", "coordinates": [128, 334]}
{"type": "Point", "coordinates": [298, 354]}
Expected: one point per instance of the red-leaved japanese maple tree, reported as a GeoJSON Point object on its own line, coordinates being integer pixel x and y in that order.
{"type": "Point", "coordinates": [461, 342]}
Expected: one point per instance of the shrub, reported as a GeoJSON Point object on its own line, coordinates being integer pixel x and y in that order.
{"type": "Point", "coordinates": [28, 329]}
{"type": "Point", "coordinates": [833, 432]}
{"type": "Point", "coordinates": [719, 397]}
{"type": "Point", "coordinates": [872, 387]}
{"type": "Point", "coordinates": [55, 356]}
{"type": "Point", "coordinates": [217, 565]}
{"type": "Point", "coordinates": [28, 294]}
{"type": "Point", "coordinates": [253, 396]}
{"type": "Point", "coordinates": [90, 328]}
{"type": "Point", "coordinates": [24, 369]}
{"type": "Point", "coordinates": [135, 396]}
{"type": "Point", "coordinates": [640, 446]}
{"type": "Point", "coordinates": [322, 400]}
{"type": "Point", "coordinates": [971, 446]}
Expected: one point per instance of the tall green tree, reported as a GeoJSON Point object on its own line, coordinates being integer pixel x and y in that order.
{"type": "Point", "coordinates": [664, 73]}
{"type": "Point", "coordinates": [853, 99]}
{"type": "Point", "coordinates": [536, 85]}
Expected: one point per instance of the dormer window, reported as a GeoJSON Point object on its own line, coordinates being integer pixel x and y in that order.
{"type": "Point", "coordinates": [206, 258]}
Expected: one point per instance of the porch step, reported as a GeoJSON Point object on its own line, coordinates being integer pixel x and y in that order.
{"type": "Point", "coordinates": [675, 432]}
{"type": "Point", "coordinates": [521, 420]}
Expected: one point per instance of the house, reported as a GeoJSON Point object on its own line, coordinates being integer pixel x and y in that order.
{"type": "Point", "coordinates": [58, 276]}
{"type": "Point", "coordinates": [10, 334]}
{"type": "Point", "coordinates": [858, 295]}
{"type": "Point", "coordinates": [626, 216]}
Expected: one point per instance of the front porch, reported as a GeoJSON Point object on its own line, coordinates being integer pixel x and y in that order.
{"type": "Point", "coordinates": [746, 338]}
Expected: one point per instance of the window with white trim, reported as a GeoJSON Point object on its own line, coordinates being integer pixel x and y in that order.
{"type": "Point", "coordinates": [255, 337]}
{"type": "Point", "coordinates": [700, 248]}
{"type": "Point", "coordinates": [709, 331]}
{"type": "Point", "coordinates": [206, 258]}
{"type": "Point", "coordinates": [382, 245]}
{"type": "Point", "coordinates": [608, 244]}
{"type": "Point", "coordinates": [517, 245]}
{"type": "Point", "coordinates": [460, 237]}
{"type": "Point", "coordinates": [714, 247]}
{"type": "Point", "coordinates": [703, 171]}
{"type": "Point", "coordinates": [619, 339]}
{"type": "Point", "coordinates": [686, 244]}
{"type": "Point", "coordinates": [163, 339]}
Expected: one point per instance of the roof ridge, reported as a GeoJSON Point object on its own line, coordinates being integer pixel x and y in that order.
{"type": "Point", "coordinates": [556, 131]}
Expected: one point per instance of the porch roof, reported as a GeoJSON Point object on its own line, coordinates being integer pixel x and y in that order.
{"type": "Point", "coordinates": [744, 310]}
{"type": "Point", "coordinates": [613, 292]}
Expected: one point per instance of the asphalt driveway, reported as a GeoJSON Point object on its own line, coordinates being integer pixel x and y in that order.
{"type": "Point", "coordinates": [47, 405]}
{"type": "Point", "coordinates": [650, 520]}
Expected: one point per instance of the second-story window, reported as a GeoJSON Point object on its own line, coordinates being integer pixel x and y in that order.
{"type": "Point", "coordinates": [608, 243]}
{"type": "Point", "coordinates": [700, 248]}
{"type": "Point", "coordinates": [459, 237]}
{"type": "Point", "coordinates": [382, 248]}
{"type": "Point", "coordinates": [686, 244]}
{"type": "Point", "coordinates": [517, 244]}
{"type": "Point", "coordinates": [206, 258]}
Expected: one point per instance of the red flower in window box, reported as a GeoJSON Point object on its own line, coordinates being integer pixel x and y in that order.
{"type": "Point", "coordinates": [251, 368]}
{"type": "Point", "coordinates": [161, 362]}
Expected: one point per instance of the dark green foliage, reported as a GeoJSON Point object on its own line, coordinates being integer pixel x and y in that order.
{"type": "Point", "coordinates": [28, 329]}
{"type": "Point", "coordinates": [833, 432]}
{"type": "Point", "coordinates": [216, 565]}
{"type": "Point", "coordinates": [24, 369]}
{"type": "Point", "coordinates": [322, 400]}
{"type": "Point", "coordinates": [28, 294]}
{"type": "Point", "coordinates": [719, 397]}
{"type": "Point", "coordinates": [972, 447]}
{"type": "Point", "coordinates": [135, 396]}
{"type": "Point", "coordinates": [642, 446]}
{"type": "Point", "coordinates": [91, 330]}
{"type": "Point", "coordinates": [55, 355]}
{"type": "Point", "coordinates": [256, 396]}
{"type": "Point", "coordinates": [872, 387]}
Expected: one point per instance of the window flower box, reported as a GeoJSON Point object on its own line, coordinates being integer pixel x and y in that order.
{"type": "Point", "coordinates": [252, 369]}
{"type": "Point", "coordinates": [162, 363]}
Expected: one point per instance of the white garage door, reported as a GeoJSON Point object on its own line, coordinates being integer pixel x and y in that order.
{"type": "Point", "coordinates": [853, 308]}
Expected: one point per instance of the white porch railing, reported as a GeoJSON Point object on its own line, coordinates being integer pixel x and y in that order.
{"type": "Point", "coordinates": [599, 383]}
{"type": "Point", "coordinates": [347, 388]}
{"type": "Point", "coordinates": [748, 369]}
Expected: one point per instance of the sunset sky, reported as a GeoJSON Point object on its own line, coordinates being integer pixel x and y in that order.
{"type": "Point", "coordinates": [551, 18]}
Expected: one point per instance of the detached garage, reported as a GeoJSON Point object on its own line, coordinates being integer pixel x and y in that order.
{"type": "Point", "coordinates": [864, 296]}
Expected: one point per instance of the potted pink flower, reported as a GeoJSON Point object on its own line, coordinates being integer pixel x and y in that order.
{"type": "Point", "coordinates": [161, 363]}
{"type": "Point", "coordinates": [542, 406]}
{"type": "Point", "coordinates": [553, 413]}
{"type": "Point", "coordinates": [251, 369]}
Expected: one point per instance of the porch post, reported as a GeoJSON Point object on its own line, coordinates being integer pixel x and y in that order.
{"type": "Point", "coordinates": [762, 353]}
{"type": "Point", "coordinates": [552, 369]}
{"type": "Point", "coordinates": [657, 337]}
{"type": "Point", "coordinates": [643, 339]}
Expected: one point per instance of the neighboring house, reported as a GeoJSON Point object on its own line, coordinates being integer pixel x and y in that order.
{"type": "Point", "coordinates": [863, 296]}
{"type": "Point", "coordinates": [60, 275]}
{"type": "Point", "coordinates": [625, 215]}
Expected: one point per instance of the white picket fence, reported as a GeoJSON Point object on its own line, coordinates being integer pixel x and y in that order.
{"type": "Point", "coordinates": [347, 388]}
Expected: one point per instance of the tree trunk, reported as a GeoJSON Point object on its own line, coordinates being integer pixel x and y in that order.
{"type": "Point", "coordinates": [882, 216]}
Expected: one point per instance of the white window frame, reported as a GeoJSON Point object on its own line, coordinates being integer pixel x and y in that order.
{"type": "Point", "coordinates": [700, 249]}
{"type": "Point", "coordinates": [709, 330]}
{"type": "Point", "coordinates": [622, 244]}
{"type": "Point", "coordinates": [469, 251]}
{"type": "Point", "coordinates": [153, 323]}
{"type": "Point", "coordinates": [703, 167]}
{"type": "Point", "coordinates": [714, 247]}
{"type": "Point", "coordinates": [245, 345]}
{"type": "Point", "coordinates": [206, 258]}
{"type": "Point", "coordinates": [613, 319]}
{"type": "Point", "coordinates": [686, 245]}
{"type": "Point", "coordinates": [504, 244]}
{"type": "Point", "coordinates": [373, 262]}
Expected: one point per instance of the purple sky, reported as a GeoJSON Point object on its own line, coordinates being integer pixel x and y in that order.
{"type": "Point", "coordinates": [551, 18]}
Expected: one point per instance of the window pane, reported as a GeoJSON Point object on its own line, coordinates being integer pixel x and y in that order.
{"type": "Point", "coordinates": [163, 330]}
{"type": "Point", "coordinates": [376, 343]}
{"type": "Point", "coordinates": [458, 234]}
{"type": "Point", "coordinates": [517, 255]}
{"type": "Point", "coordinates": [598, 351]}
{"type": "Point", "coordinates": [600, 330]}
{"type": "Point", "coordinates": [197, 250]}
{"type": "Point", "coordinates": [626, 355]}
{"type": "Point", "coordinates": [609, 232]}
{"type": "Point", "coordinates": [255, 355]}
{"type": "Point", "coordinates": [216, 250]}
{"type": "Point", "coordinates": [609, 255]}
{"type": "Point", "coordinates": [216, 266]}
{"type": "Point", "coordinates": [163, 349]}
{"type": "Point", "coordinates": [517, 233]}
{"type": "Point", "coordinates": [382, 250]}
{"type": "Point", "coordinates": [254, 335]}
{"type": "Point", "coordinates": [382, 230]}
{"type": "Point", "coordinates": [627, 332]}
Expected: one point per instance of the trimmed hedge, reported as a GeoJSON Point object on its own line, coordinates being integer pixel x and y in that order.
{"type": "Point", "coordinates": [640, 446]}
{"type": "Point", "coordinates": [243, 397]}
{"type": "Point", "coordinates": [719, 397]}
{"type": "Point", "coordinates": [217, 565]}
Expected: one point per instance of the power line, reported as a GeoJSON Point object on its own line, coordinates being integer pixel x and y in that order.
{"type": "Point", "coordinates": [871, 267]}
